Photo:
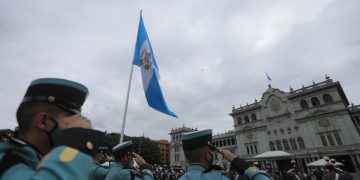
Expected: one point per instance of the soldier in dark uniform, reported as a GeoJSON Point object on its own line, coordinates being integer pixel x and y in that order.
{"type": "Point", "coordinates": [122, 168]}
{"type": "Point", "coordinates": [200, 154]}
{"type": "Point", "coordinates": [332, 174]}
{"type": "Point", "coordinates": [50, 124]}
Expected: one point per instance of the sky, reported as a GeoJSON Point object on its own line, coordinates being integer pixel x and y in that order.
{"type": "Point", "coordinates": [210, 55]}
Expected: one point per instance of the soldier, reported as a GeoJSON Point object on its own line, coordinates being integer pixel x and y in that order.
{"type": "Point", "coordinates": [332, 174]}
{"type": "Point", "coordinates": [97, 171]}
{"type": "Point", "coordinates": [50, 124]}
{"type": "Point", "coordinates": [257, 164]}
{"type": "Point", "coordinates": [122, 168]}
{"type": "Point", "coordinates": [200, 154]}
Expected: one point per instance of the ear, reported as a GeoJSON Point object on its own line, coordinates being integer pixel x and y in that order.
{"type": "Point", "coordinates": [40, 120]}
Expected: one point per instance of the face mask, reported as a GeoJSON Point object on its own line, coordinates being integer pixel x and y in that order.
{"type": "Point", "coordinates": [54, 132]}
{"type": "Point", "coordinates": [132, 163]}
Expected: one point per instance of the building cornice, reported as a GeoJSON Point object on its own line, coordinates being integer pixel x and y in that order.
{"type": "Point", "coordinates": [326, 114]}
{"type": "Point", "coordinates": [251, 129]}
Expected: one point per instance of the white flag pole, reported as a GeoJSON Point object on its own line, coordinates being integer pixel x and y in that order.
{"type": "Point", "coordinates": [127, 96]}
{"type": "Point", "coordinates": [126, 106]}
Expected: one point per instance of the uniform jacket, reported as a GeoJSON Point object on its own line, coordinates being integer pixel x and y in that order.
{"type": "Point", "coordinates": [18, 160]}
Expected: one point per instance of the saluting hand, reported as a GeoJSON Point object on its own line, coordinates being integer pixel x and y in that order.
{"type": "Point", "coordinates": [227, 154]}
{"type": "Point", "coordinates": [140, 160]}
{"type": "Point", "coordinates": [76, 120]}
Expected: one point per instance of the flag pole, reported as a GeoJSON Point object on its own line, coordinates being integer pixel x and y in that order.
{"type": "Point", "coordinates": [127, 96]}
{"type": "Point", "coordinates": [126, 105]}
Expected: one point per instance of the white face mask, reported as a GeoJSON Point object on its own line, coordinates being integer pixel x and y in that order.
{"type": "Point", "coordinates": [133, 164]}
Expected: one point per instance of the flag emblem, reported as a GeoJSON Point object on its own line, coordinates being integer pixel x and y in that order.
{"type": "Point", "coordinates": [145, 56]}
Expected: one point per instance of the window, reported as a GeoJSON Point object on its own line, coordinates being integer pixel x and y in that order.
{"type": "Point", "coordinates": [323, 140]}
{"type": "Point", "coordinates": [224, 143]}
{"type": "Point", "coordinates": [286, 144]}
{"type": "Point", "coordinates": [252, 150]}
{"type": "Point", "coordinates": [278, 145]}
{"type": "Point", "coordinates": [239, 120]}
{"type": "Point", "coordinates": [315, 101]}
{"type": "Point", "coordinates": [233, 141]}
{"type": "Point", "coordinates": [338, 139]}
{"type": "Point", "coordinates": [246, 119]}
{"type": "Point", "coordinates": [331, 140]}
{"type": "Point", "coordinates": [253, 117]}
{"type": "Point", "coordinates": [301, 142]}
{"type": "Point", "coordinates": [220, 143]}
{"type": "Point", "coordinates": [247, 149]}
{"type": "Point", "coordinates": [228, 142]}
{"type": "Point", "coordinates": [304, 104]}
{"type": "Point", "coordinates": [256, 151]}
{"type": "Point", "coordinates": [327, 98]}
{"type": "Point", "coordinates": [272, 146]}
{"type": "Point", "coordinates": [293, 144]}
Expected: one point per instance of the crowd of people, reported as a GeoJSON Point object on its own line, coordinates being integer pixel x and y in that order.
{"type": "Point", "coordinates": [55, 141]}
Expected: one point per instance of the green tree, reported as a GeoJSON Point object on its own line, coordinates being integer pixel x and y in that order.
{"type": "Point", "coordinates": [144, 146]}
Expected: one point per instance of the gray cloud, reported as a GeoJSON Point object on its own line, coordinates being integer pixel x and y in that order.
{"type": "Point", "coordinates": [211, 56]}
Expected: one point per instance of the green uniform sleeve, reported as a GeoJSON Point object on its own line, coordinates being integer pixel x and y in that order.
{"type": "Point", "coordinates": [61, 163]}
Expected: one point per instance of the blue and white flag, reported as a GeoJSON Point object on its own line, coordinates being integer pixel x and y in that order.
{"type": "Point", "coordinates": [268, 77]}
{"type": "Point", "coordinates": [145, 59]}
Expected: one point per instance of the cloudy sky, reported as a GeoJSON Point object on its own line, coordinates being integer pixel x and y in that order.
{"type": "Point", "coordinates": [211, 55]}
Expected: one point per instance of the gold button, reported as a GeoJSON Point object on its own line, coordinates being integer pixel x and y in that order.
{"type": "Point", "coordinates": [89, 145]}
{"type": "Point", "coordinates": [51, 98]}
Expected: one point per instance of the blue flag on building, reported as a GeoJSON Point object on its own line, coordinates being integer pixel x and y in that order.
{"type": "Point", "coordinates": [145, 59]}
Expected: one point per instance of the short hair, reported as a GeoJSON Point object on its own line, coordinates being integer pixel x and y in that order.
{"type": "Point", "coordinates": [27, 111]}
{"type": "Point", "coordinates": [194, 155]}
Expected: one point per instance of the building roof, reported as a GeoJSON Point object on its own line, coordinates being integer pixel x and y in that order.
{"type": "Point", "coordinates": [163, 141]}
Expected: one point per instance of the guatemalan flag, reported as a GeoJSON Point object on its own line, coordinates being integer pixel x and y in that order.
{"type": "Point", "coordinates": [145, 59]}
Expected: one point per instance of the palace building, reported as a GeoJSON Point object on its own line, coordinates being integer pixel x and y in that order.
{"type": "Point", "coordinates": [308, 123]}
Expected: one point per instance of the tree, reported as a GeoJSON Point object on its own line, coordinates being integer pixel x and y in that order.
{"type": "Point", "coordinates": [144, 146]}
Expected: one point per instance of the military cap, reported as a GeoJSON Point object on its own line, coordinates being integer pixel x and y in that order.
{"type": "Point", "coordinates": [68, 95]}
{"type": "Point", "coordinates": [122, 149]}
{"type": "Point", "coordinates": [196, 139]}
{"type": "Point", "coordinates": [103, 149]}
{"type": "Point", "coordinates": [326, 158]}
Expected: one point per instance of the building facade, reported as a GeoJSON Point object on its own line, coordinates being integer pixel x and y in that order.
{"type": "Point", "coordinates": [164, 146]}
{"type": "Point", "coordinates": [309, 123]}
{"type": "Point", "coordinates": [177, 156]}
{"type": "Point", "coordinates": [227, 141]}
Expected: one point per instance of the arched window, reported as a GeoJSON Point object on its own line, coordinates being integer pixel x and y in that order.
{"type": "Point", "coordinates": [286, 144]}
{"type": "Point", "coordinates": [272, 146]}
{"type": "Point", "coordinates": [293, 144]}
{"type": "Point", "coordinates": [239, 120]}
{"type": "Point", "coordinates": [315, 101]}
{"type": "Point", "coordinates": [253, 117]}
{"type": "Point", "coordinates": [246, 119]}
{"type": "Point", "coordinates": [327, 98]}
{"type": "Point", "coordinates": [301, 142]}
{"type": "Point", "coordinates": [278, 145]}
{"type": "Point", "coordinates": [304, 104]}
